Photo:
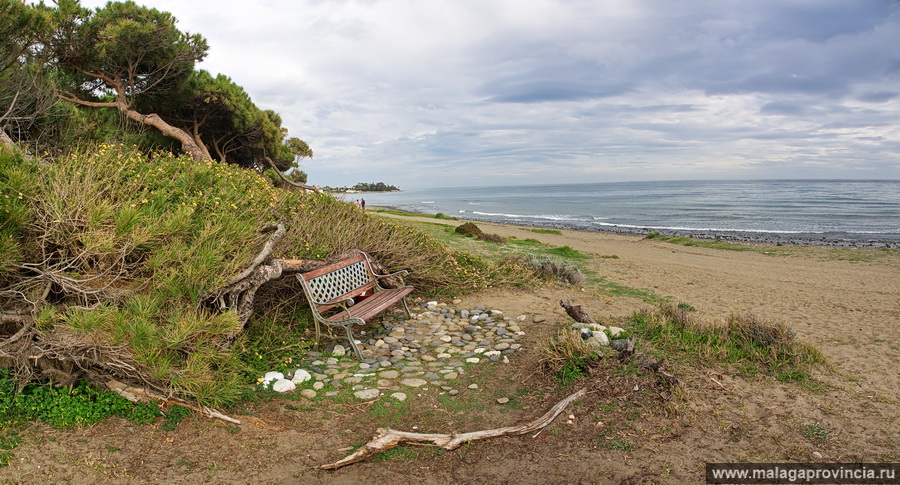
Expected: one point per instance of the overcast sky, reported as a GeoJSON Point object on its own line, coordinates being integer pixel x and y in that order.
{"type": "Point", "coordinates": [425, 93]}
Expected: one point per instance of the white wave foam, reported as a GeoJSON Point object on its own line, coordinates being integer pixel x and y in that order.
{"type": "Point", "coordinates": [549, 217]}
{"type": "Point", "coordinates": [706, 229]}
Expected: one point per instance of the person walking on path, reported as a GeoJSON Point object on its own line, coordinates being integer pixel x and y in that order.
{"type": "Point", "coordinates": [362, 203]}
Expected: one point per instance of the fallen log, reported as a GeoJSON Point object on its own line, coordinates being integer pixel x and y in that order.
{"type": "Point", "coordinates": [386, 438]}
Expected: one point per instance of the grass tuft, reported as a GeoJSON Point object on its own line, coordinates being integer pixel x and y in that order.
{"type": "Point", "coordinates": [553, 268]}
{"type": "Point", "coordinates": [750, 344]}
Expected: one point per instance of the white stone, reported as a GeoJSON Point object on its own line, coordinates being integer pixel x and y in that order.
{"type": "Point", "coordinates": [521, 318]}
{"type": "Point", "coordinates": [615, 331]}
{"type": "Point", "coordinates": [601, 338]}
{"type": "Point", "coordinates": [473, 360]}
{"type": "Point", "coordinates": [399, 396]}
{"type": "Point", "coordinates": [301, 376]}
{"type": "Point", "coordinates": [472, 386]}
{"type": "Point", "coordinates": [491, 353]}
{"type": "Point", "coordinates": [479, 350]}
{"type": "Point", "coordinates": [339, 351]}
{"type": "Point", "coordinates": [367, 394]}
{"type": "Point", "coordinates": [271, 377]}
{"type": "Point", "coordinates": [283, 385]}
{"type": "Point", "coordinates": [318, 386]}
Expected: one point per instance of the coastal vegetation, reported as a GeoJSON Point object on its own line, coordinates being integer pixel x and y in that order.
{"type": "Point", "coordinates": [363, 187]}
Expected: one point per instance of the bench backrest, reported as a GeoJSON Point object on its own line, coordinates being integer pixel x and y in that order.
{"type": "Point", "coordinates": [337, 281]}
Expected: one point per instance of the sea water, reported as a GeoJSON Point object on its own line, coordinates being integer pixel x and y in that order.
{"type": "Point", "coordinates": [841, 212]}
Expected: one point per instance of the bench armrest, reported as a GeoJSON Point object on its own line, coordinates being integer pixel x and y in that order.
{"type": "Point", "coordinates": [396, 273]}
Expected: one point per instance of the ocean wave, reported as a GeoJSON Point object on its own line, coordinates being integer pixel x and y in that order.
{"type": "Point", "coordinates": [549, 217]}
{"type": "Point", "coordinates": [705, 229]}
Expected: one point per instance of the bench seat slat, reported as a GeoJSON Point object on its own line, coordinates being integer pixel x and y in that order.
{"type": "Point", "coordinates": [373, 305]}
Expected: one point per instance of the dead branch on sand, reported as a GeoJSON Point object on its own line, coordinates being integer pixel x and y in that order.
{"type": "Point", "coordinates": [386, 439]}
{"type": "Point", "coordinates": [142, 394]}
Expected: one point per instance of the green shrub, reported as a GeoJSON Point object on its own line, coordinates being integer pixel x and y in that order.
{"type": "Point", "coordinates": [133, 242]}
{"type": "Point", "coordinates": [555, 269]}
{"type": "Point", "coordinates": [470, 229]}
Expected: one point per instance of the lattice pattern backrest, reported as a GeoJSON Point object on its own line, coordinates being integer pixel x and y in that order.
{"type": "Point", "coordinates": [339, 282]}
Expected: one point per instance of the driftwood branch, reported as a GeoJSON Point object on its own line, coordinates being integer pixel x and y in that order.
{"type": "Point", "coordinates": [386, 439]}
{"type": "Point", "coordinates": [576, 312]}
{"type": "Point", "coordinates": [142, 394]}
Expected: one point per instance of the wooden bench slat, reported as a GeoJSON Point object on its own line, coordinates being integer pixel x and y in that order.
{"type": "Point", "coordinates": [373, 305]}
{"type": "Point", "coordinates": [333, 266]}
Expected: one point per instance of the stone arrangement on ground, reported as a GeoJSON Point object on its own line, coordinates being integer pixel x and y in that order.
{"type": "Point", "coordinates": [433, 348]}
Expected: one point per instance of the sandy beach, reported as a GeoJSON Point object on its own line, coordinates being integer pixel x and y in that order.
{"type": "Point", "coordinates": [842, 301]}
{"type": "Point", "coordinates": [848, 309]}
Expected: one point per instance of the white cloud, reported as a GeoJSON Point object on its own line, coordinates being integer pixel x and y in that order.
{"type": "Point", "coordinates": [503, 91]}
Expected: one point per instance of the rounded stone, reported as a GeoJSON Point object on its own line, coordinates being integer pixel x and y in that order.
{"type": "Point", "coordinates": [283, 385]}
{"type": "Point", "coordinates": [367, 394]}
{"type": "Point", "coordinates": [413, 382]}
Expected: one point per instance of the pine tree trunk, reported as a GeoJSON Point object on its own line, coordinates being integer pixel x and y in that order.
{"type": "Point", "coordinates": [188, 144]}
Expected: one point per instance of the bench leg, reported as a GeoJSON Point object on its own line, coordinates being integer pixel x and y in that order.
{"type": "Point", "coordinates": [353, 343]}
{"type": "Point", "coordinates": [405, 307]}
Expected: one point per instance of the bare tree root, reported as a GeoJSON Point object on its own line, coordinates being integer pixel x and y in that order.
{"type": "Point", "coordinates": [386, 438]}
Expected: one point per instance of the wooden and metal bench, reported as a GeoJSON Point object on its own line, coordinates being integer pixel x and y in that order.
{"type": "Point", "coordinates": [348, 293]}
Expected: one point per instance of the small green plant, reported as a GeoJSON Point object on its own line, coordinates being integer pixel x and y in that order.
{"type": "Point", "coordinates": [175, 415]}
{"type": "Point", "coordinates": [567, 356]}
{"type": "Point", "coordinates": [554, 232]}
{"type": "Point", "coordinates": [9, 440]}
{"type": "Point", "coordinates": [566, 252]}
{"type": "Point", "coordinates": [814, 433]}
{"type": "Point", "coordinates": [620, 445]}
{"type": "Point", "coordinates": [441, 215]}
